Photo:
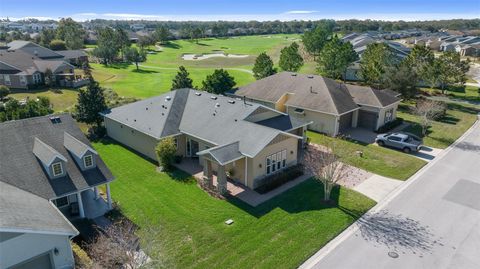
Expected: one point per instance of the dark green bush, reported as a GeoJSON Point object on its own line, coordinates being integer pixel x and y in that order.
{"type": "Point", "coordinates": [271, 182]}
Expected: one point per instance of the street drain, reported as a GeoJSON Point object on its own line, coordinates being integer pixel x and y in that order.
{"type": "Point", "coordinates": [393, 254]}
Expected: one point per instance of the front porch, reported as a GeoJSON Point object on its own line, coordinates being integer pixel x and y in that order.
{"type": "Point", "coordinates": [233, 188]}
{"type": "Point", "coordinates": [88, 204]}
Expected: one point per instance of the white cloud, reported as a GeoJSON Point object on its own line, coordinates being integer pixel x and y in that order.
{"type": "Point", "coordinates": [301, 12]}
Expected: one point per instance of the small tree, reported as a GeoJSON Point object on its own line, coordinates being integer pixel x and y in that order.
{"type": "Point", "coordinates": [401, 78]}
{"type": "Point", "coordinates": [263, 66]}
{"type": "Point", "coordinates": [315, 39]}
{"type": "Point", "coordinates": [375, 61]}
{"type": "Point", "coordinates": [4, 92]}
{"type": "Point", "coordinates": [290, 58]}
{"type": "Point", "coordinates": [135, 55]}
{"type": "Point", "coordinates": [162, 35]}
{"type": "Point", "coordinates": [90, 102]}
{"type": "Point", "coordinates": [325, 166]}
{"type": "Point", "coordinates": [166, 151]}
{"type": "Point", "coordinates": [196, 34]}
{"type": "Point", "coordinates": [57, 44]}
{"type": "Point", "coordinates": [118, 246]}
{"type": "Point", "coordinates": [182, 79]}
{"type": "Point", "coordinates": [450, 69]}
{"type": "Point", "coordinates": [218, 82]}
{"type": "Point", "coordinates": [428, 111]}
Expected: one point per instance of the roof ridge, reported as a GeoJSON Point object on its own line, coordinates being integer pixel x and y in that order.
{"type": "Point", "coordinates": [329, 93]}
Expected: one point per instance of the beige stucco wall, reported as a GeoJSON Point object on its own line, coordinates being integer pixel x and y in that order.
{"type": "Point", "coordinates": [26, 246]}
{"type": "Point", "coordinates": [140, 142]}
{"type": "Point", "coordinates": [321, 122]}
{"type": "Point", "coordinates": [255, 171]}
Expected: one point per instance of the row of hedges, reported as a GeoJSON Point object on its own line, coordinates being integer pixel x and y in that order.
{"type": "Point", "coordinates": [390, 125]}
{"type": "Point", "coordinates": [271, 182]}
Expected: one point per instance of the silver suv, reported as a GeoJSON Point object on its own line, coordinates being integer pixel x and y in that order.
{"type": "Point", "coordinates": [404, 141]}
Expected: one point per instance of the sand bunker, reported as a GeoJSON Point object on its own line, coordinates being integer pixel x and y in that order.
{"type": "Point", "coordinates": [198, 57]}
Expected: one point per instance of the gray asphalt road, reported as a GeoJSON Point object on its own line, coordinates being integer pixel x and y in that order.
{"type": "Point", "coordinates": [433, 223]}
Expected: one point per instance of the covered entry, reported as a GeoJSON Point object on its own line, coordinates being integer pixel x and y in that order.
{"type": "Point", "coordinates": [367, 119]}
{"type": "Point", "coordinates": [43, 261]}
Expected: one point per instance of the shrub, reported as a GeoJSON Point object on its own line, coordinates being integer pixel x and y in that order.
{"type": "Point", "coordinates": [390, 125]}
{"type": "Point", "coordinates": [166, 151]}
{"type": "Point", "coordinates": [271, 182]}
{"type": "Point", "coordinates": [4, 91]}
{"type": "Point", "coordinates": [82, 260]}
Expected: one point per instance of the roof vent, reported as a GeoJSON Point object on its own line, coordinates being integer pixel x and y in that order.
{"type": "Point", "coordinates": [217, 105]}
{"type": "Point", "coordinates": [213, 97]}
{"type": "Point", "coordinates": [168, 98]}
{"type": "Point", "coordinates": [231, 101]}
{"type": "Point", "coordinates": [146, 108]}
{"type": "Point", "coordinates": [294, 74]}
{"type": "Point", "coordinates": [310, 76]}
{"type": "Point", "coordinates": [198, 93]}
{"type": "Point", "coordinates": [55, 120]}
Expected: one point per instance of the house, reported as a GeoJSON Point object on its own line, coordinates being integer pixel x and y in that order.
{"type": "Point", "coordinates": [447, 46]}
{"type": "Point", "coordinates": [332, 107]}
{"type": "Point", "coordinates": [23, 65]}
{"type": "Point", "coordinates": [246, 140]}
{"type": "Point", "coordinates": [33, 232]}
{"type": "Point", "coordinates": [49, 175]}
{"type": "Point", "coordinates": [137, 27]}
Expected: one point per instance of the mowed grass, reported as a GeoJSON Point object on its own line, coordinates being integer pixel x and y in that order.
{"type": "Point", "coordinates": [280, 233]}
{"type": "Point", "coordinates": [61, 99]}
{"type": "Point", "coordinates": [146, 82]}
{"type": "Point", "coordinates": [382, 161]}
{"type": "Point", "coordinates": [156, 74]}
{"type": "Point", "coordinates": [445, 131]}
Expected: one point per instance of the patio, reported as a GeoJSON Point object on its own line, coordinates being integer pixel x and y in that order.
{"type": "Point", "coordinates": [235, 189]}
{"type": "Point", "coordinates": [94, 205]}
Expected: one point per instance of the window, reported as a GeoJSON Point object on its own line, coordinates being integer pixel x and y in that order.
{"type": "Point", "coordinates": [175, 141]}
{"type": "Point", "coordinates": [7, 80]}
{"type": "Point", "coordinates": [394, 138]}
{"type": "Point", "coordinates": [60, 202]}
{"type": "Point", "coordinates": [388, 115]}
{"type": "Point", "coordinates": [57, 169]}
{"type": "Point", "coordinates": [23, 80]}
{"type": "Point", "coordinates": [37, 78]}
{"type": "Point", "coordinates": [88, 161]}
{"type": "Point", "coordinates": [276, 161]}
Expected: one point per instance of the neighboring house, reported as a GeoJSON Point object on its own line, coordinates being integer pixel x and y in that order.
{"type": "Point", "coordinates": [332, 107]}
{"type": "Point", "coordinates": [33, 232]}
{"type": "Point", "coordinates": [23, 65]}
{"type": "Point", "coordinates": [246, 140]}
{"type": "Point", "coordinates": [74, 57]}
{"type": "Point", "coordinates": [447, 46]}
{"type": "Point", "coordinates": [137, 27]}
{"type": "Point", "coordinates": [51, 158]}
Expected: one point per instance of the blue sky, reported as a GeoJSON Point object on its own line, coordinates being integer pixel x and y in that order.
{"type": "Point", "coordinates": [242, 9]}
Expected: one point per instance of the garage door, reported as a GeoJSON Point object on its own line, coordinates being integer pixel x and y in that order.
{"type": "Point", "coordinates": [367, 119]}
{"type": "Point", "coordinates": [345, 122]}
{"type": "Point", "coordinates": [40, 262]}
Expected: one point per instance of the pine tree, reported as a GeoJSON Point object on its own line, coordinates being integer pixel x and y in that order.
{"type": "Point", "coordinates": [290, 58]}
{"type": "Point", "coordinates": [263, 66]}
{"type": "Point", "coordinates": [90, 102]}
{"type": "Point", "coordinates": [335, 57]}
{"type": "Point", "coordinates": [218, 82]}
{"type": "Point", "coordinates": [182, 79]}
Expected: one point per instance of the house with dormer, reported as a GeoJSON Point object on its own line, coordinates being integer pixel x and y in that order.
{"type": "Point", "coordinates": [49, 175]}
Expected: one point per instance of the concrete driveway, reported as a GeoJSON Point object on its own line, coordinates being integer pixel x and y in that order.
{"type": "Point", "coordinates": [431, 221]}
{"type": "Point", "coordinates": [377, 187]}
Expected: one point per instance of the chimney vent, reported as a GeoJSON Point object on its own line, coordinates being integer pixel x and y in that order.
{"type": "Point", "coordinates": [198, 93]}
{"type": "Point", "coordinates": [310, 76]}
{"type": "Point", "coordinates": [213, 97]}
{"type": "Point", "coordinates": [294, 74]}
{"type": "Point", "coordinates": [231, 101]}
{"type": "Point", "coordinates": [168, 98]}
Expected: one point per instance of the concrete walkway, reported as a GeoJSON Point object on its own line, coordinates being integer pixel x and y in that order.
{"type": "Point", "coordinates": [427, 153]}
{"type": "Point", "coordinates": [377, 187]}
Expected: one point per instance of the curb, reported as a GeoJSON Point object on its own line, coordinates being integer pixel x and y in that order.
{"type": "Point", "coordinates": [330, 246]}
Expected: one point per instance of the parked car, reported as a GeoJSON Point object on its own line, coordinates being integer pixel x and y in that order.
{"type": "Point", "coordinates": [404, 141]}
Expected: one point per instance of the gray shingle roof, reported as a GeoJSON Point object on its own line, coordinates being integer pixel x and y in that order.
{"type": "Point", "coordinates": [25, 212]}
{"type": "Point", "coordinates": [306, 91]}
{"type": "Point", "coordinates": [71, 54]}
{"type": "Point", "coordinates": [76, 146]}
{"type": "Point", "coordinates": [33, 49]}
{"type": "Point", "coordinates": [20, 167]}
{"type": "Point", "coordinates": [45, 153]}
{"type": "Point", "coordinates": [368, 96]}
{"type": "Point", "coordinates": [218, 121]}
{"type": "Point", "coordinates": [225, 153]}
{"type": "Point", "coordinates": [283, 122]}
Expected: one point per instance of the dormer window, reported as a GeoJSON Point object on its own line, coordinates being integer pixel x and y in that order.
{"type": "Point", "coordinates": [57, 169]}
{"type": "Point", "coordinates": [88, 161]}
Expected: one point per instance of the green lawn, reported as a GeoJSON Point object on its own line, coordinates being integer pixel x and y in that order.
{"type": "Point", "coordinates": [156, 74]}
{"type": "Point", "coordinates": [280, 233]}
{"type": "Point", "coordinates": [61, 99]}
{"type": "Point", "coordinates": [467, 93]}
{"type": "Point", "coordinates": [382, 161]}
{"type": "Point", "coordinates": [445, 131]}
